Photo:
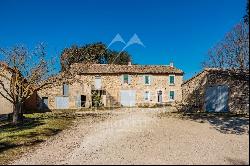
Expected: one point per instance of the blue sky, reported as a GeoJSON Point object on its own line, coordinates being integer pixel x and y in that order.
{"type": "Point", "coordinates": [178, 30]}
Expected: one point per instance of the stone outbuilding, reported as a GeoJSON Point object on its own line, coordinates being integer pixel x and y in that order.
{"type": "Point", "coordinates": [217, 90]}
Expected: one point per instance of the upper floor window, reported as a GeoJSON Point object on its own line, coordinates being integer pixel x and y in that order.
{"type": "Point", "coordinates": [65, 89]}
{"type": "Point", "coordinates": [171, 79]}
{"type": "Point", "coordinates": [98, 82]}
{"type": "Point", "coordinates": [126, 79]}
{"type": "Point", "coordinates": [171, 95]}
{"type": "Point", "coordinates": [147, 80]}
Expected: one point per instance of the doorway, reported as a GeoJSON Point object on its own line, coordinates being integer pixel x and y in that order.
{"type": "Point", "coordinates": [159, 96]}
{"type": "Point", "coordinates": [216, 98]}
{"type": "Point", "coordinates": [128, 98]}
{"type": "Point", "coordinates": [45, 102]}
{"type": "Point", "coordinates": [83, 100]}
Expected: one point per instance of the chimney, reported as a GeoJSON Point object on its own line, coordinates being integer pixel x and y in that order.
{"type": "Point", "coordinates": [171, 64]}
{"type": "Point", "coordinates": [129, 63]}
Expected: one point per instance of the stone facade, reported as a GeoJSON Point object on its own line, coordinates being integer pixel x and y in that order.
{"type": "Point", "coordinates": [111, 86]}
{"type": "Point", "coordinates": [237, 81]}
{"type": "Point", "coordinates": [6, 106]}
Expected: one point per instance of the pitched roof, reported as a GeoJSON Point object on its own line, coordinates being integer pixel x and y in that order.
{"type": "Point", "coordinates": [221, 71]}
{"type": "Point", "coordinates": [81, 68]}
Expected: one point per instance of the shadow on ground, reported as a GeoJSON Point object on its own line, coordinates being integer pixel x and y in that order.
{"type": "Point", "coordinates": [26, 139]}
{"type": "Point", "coordinates": [236, 161]}
{"type": "Point", "coordinates": [27, 124]}
{"type": "Point", "coordinates": [25, 134]}
{"type": "Point", "coordinates": [224, 123]}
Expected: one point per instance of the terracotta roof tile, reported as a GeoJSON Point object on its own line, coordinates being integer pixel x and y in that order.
{"type": "Point", "coordinates": [130, 69]}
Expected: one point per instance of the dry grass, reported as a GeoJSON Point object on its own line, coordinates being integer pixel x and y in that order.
{"type": "Point", "coordinates": [15, 140]}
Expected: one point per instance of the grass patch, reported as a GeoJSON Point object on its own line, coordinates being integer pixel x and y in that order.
{"type": "Point", "coordinates": [37, 127]}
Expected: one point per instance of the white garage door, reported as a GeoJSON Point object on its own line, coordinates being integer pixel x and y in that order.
{"type": "Point", "coordinates": [128, 98]}
{"type": "Point", "coordinates": [216, 99]}
{"type": "Point", "coordinates": [62, 102]}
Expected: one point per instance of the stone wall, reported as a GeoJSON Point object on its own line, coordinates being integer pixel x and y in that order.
{"type": "Point", "coordinates": [79, 85]}
{"type": "Point", "coordinates": [194, 89]}
{"type": "Point", "coordinates": [6, 106]}
{"type": "Point", "coordinates": [112, 84]}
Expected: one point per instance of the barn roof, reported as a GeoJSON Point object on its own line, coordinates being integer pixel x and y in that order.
{"type": "Point", "coordinates": [220, 71]}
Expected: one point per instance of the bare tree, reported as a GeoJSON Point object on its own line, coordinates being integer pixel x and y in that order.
{"type": "Point", "coordinates": [233, 51]}
{"type": "Point", "coordinates": [22, 73]}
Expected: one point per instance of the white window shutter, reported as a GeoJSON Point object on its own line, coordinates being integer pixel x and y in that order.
{"type": "Point", "coordinates": [65, 90]}
{"type": "Point", "coordinates": [78, 101]}
{"type": "Point", "coordinates": [129, 79]}
{"type": "Point", "coordinates": [145, 95]}
{"type": "Point", "coordinates": [122, 79]}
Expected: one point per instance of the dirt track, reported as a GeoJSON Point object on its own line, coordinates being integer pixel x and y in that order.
{"type": "Point", "coordinates": [141, 138]}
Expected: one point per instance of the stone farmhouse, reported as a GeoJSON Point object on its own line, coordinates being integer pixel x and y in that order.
{"type": "Point", "coordinates": [115, 86]}
{"type": "Point", "coordinates": [212, 90]}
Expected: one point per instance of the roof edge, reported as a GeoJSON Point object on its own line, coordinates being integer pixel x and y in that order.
{"type": "Point", "coordinates": [215, 70]}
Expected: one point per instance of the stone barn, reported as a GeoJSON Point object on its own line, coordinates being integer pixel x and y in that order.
{"type": "Point", "coordinates": [217, 90]}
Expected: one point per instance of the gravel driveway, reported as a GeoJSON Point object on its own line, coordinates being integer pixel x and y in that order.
{"type": "Point", "coordinates": [140, 137]}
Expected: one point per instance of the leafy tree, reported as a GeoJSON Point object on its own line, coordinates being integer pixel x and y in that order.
{"type": "Point", "coordinates": [114, 57]}
{"type": "Point", "coordinates": [96, 99]}
{"type": "Point", "coordinates": [22, 73]}
{"type": "Point", "coordinates": [92, 53]}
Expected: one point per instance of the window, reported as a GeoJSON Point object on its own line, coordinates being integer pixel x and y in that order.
{"type": "Point", "coordinates": [126, 78]}
{"type": "Point", "coordinates": [171, 95]}
{"type": "Point", "coordinates": [65, 90]}
{"type": "Point", "coordinates": [147, 96]}
{"type": "Point", "coordinates": [171, 79]}
{"type": "Point", "coordinates": [147, 80]}
{"type": "Point", "coordinates": [98, 82]}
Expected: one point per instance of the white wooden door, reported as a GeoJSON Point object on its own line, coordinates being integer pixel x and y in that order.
{"type": "Point", "coordinates": [62, 102]}
{"type": "Point", "coordinates": [216, 98]}
{"type": "Point", "coordinates": [128, 98]}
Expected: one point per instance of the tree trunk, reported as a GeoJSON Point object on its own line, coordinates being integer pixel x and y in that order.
{"type": "Point", "coordinates": [17, 113]}
{"type": "Point", "coordinates": [21, 113]}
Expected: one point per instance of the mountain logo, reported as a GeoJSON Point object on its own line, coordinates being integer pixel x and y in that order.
{"type": "Point", "coordinates": [134, 40]}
